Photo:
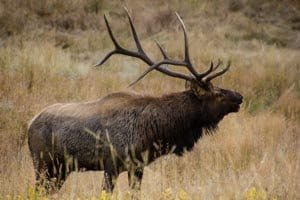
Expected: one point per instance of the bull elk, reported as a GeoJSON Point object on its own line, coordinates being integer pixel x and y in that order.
{"type": "Point", "coordinates": [121, 131]}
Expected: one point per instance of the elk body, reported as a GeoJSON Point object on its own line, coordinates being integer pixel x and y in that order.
{"type": "Point", "coordinates": [126, 131]}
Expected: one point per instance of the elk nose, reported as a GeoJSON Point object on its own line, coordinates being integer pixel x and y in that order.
{"type": "Point", "coordinates": [239, 98]}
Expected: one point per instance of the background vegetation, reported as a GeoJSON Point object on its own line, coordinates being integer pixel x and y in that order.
{"type": "Point", "coordinates": [48, 46]}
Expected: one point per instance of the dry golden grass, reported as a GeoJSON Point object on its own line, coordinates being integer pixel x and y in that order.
{"type": "Point", "coordinates": [46, 48]}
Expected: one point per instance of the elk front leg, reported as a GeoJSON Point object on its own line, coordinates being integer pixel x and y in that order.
{"type": "Point", "coordinates": [135, 176]}
{"type": "Point", "coordinates": [109, 181]}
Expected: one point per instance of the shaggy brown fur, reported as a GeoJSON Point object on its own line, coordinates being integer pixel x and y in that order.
{"type": "Point", "coordinates": [122, 131]}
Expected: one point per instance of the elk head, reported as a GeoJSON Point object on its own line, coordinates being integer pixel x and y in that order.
{"type": "Point", "coordinates": [217, 101]}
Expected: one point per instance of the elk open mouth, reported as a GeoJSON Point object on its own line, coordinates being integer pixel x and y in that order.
{"type": "Point", "coordinates": [236, 106]}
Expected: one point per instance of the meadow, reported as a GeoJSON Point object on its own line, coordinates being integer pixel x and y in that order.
{"type": "Point", "coordinates": [48, 48]}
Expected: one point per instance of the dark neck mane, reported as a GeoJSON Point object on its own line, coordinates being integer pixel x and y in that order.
{"type": "Point", "coordinates": [181, 121]}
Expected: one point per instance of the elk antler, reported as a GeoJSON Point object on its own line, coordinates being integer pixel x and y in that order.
{"type": "Point", "coordinates": [140, 53]}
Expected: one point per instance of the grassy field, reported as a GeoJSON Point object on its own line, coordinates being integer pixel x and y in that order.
{"type": "Point", "coordinates": [47, 49]}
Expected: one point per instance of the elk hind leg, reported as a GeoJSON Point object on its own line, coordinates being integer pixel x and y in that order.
{"type": "Point", "coordinates": [49, 176]}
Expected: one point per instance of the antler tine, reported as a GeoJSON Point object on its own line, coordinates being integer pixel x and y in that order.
{"type": "Point", "coordinates": [135, 36]}
{"type": "Point", "coordinates": [210, 70]}
{"type": "Point", "coordinates": [113, 39]}
{"type": "Point", "coordinates": [218, 65]}
{"type": "Point", "coordinates": [120, 50]}
{"type": "Point", "coordinates": [186, 48]}
{"type": "Point", "coordinates": [209, 78]}
{"type": "Point", "coordinates": [105, 58]}
{"type": "Point", "coordinates": [165, 71]}
{"type": "Point", "coordinates": [163, 52]}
